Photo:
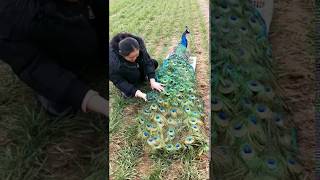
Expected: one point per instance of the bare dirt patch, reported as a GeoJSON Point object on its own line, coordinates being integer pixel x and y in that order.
{"type": "Point", "coordinates": [144, 165]}
{"type": "Point", "coordinates": [202, 67]}
{"type": "Point", "coordinates": [290, 25]}
{"type": "Point", "coordinates": [174, 171]}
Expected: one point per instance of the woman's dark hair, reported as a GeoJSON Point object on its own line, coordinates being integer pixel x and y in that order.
{"type": "Point", "coordinates": [127, 45]}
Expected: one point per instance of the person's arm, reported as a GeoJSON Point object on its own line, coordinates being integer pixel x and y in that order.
{"type": "Point", "coordinates": [124, 86]}
{"type": "Point", "coordinates": [148, 66]}
{"type": "Point", "coordinates": [42, 74]}
{"type": "Point", "coordinates": [94, 102]}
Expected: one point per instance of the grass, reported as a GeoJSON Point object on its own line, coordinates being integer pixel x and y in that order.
{"type": "Point", "coordinates": [160, 24]}
{"type": "Point", "coordinates": [35, 146]}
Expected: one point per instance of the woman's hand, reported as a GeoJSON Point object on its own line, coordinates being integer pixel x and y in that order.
{"type": "Point", "coordinates": [94, 102]}
{"type": "Point", "coordinates": [155, 85]}
{"type": "Point", "coordinates": [141, 95]}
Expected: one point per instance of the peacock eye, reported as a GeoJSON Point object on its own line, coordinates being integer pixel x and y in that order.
{"type": "Point", "coordinates": [254, 84]}
{"type": "Point", "coordinates": [253, 20]}
{"type": "Point", "coordinates": [271, 162]}
{"type": "Point", "coordinates": [291, 161]}
{"type": "Point", "coordinates": [233, 18]}
{"type": "Point", "coordinates": [214, 101]}
{"type": "Point", "coordinates": [238, 126]}
{"type": "Point", "coordinates": [253, 119]}
{"type": "Point", "coordinates": [222, 115]}
{"type": "Point", "coordinates": [261, 109]}
{"type": "Point", "coordinates": [247, 149]}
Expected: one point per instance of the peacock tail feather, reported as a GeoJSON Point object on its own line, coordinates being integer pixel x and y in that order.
{"type": "Point", "coordinates": [172, 122]}
{"type": "Point", "coordinates": [252, 136]}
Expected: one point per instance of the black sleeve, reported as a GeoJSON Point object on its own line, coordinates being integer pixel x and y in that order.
{"type": "Point", "coordinates": [116, 78]}
{"type": "Point", "coordinates": [148, 63]}
{"type": "Point", "coordinates": [43, 74]}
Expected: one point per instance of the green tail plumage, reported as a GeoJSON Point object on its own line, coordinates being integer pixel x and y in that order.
{"type": "Point", "coordinates": [172, 121]}
{"type": "Point", "coordinates": [249, 118]}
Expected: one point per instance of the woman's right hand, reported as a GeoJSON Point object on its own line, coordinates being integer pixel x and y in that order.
{"type": "Point", "coordinates": [141, 95]}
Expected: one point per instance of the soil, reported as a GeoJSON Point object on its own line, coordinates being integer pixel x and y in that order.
{"type": "Point", "coordinates": [292, 21]}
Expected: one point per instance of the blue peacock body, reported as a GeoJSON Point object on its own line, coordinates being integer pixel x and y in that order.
{"type": "Point", "coordinates": [252, 136]}
{"type": "Point", "coordinates": [172, 121]}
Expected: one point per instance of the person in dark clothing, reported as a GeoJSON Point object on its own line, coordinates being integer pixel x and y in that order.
{"type": "Point", "coordinates": [50, 43]}
{"type": "Point", "coordinates": [130, 65]}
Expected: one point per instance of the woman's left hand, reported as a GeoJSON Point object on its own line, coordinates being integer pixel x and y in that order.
{"type": "Point", "coordinates": [155, 85]}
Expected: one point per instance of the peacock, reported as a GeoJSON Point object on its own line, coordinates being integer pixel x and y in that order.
{"type": "Point", "coordinates": [172, 121]}
{"type": "Point", "coordinates": [252, 137]}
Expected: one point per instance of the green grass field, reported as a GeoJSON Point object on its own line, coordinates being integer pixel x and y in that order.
{"type": "Point", "coordinates": [35, 146]}
{"type": "Point", "coordinates": [160, 24]}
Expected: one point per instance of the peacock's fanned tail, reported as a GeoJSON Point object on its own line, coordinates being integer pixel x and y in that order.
{"type": "Point", "coordinates": [172, 122]}
{"type": "Point", "coordinates": [252, 136]}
